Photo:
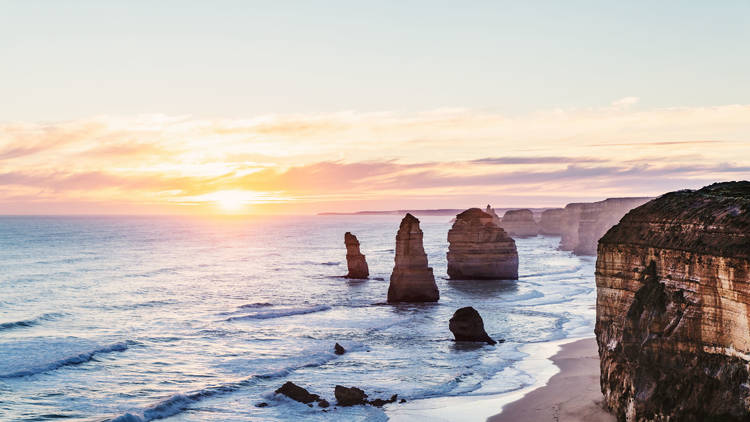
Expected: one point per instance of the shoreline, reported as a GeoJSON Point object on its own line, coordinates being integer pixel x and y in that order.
{"type": "Point", "coordinates": [539, 362]}
{"type": "Point", "coordinates": [571, 395]}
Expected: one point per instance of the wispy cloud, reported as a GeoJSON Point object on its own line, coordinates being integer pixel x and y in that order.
{"type": "Point", "coordinates": [320, 161]}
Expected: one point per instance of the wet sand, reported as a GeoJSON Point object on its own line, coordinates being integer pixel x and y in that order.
{"type": "Point", "coordinates": [572, 395]}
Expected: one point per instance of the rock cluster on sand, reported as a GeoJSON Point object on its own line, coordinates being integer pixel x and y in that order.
{"type": "Point", "coordinates": [479, 249]}
{"type": "Point", "coordinates": [520, 223]}
{"type": "Point", "coordinates": [355, 261]}
{"type": "Point", "coordinates": [412, 280]}
{"type": "Point", "coordinates": [673, 308]}
{"type": "Point", "coordinates": [551, 222]}
{"type": "Point", "coordinates": [467, 325]}
{"type": "Point", "coordinates": [584, 223]}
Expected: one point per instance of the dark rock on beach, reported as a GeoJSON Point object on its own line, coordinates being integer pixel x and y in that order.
{"type": "Point", "coordinates": [349, 396]}
{"type": "Point", "coordinates": [339, 349]}
{"type": "Point", "coordinates": [295, 392]}
{"type": "Point", "coordinates": [467, 325]}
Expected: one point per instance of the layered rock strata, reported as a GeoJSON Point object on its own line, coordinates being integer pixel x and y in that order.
{"type": "Point", "coordinates": [355, 261]}
{"type": "Point", "coordinates": [583, 223]}
{"type": "Point", "coordinates": [479, 249]}
{"type": "Point", "coordinates": [551, 222]}
{"type": "Point", "coordinates": [520, 223]}
{"type": "Point", "coordinates": [411, 280]}
{"type": "Point", "coordinates": [569, 226]}
{"type": "Point", "coordinates": [467, 325]}
{"type": "Point", "coordinates": [597, 217]}
{"type": "Point", "coordinates": [673, 308]}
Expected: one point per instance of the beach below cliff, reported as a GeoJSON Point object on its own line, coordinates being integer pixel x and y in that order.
{"type": "Point", "coordinates": [572, 394]}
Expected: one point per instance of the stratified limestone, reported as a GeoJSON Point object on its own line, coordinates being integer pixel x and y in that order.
{"type": "Point", "coordinates": [551, 222]}
{"type": "Point", "coordinates": [520, 223]}
{"type": "Point", "coordinates": [354, 259]}
{"type": "Point", "coordinates": [412, 280]}
{"type": "Point", "coordinates": [569, 226]}
{"type": "Point", "coordinates": [597, 217]}
{"type": "Point", "coordinates": [673, 308]}
{"type": "Point", "coordinates": [584, 223]}
{"type": "Point", "coordinates": [467, 325]}
{"type": "Point", "coordinates": [478, 249]}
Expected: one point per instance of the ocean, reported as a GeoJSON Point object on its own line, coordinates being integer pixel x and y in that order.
{"type": "Point", "coordinates": [199, 319]}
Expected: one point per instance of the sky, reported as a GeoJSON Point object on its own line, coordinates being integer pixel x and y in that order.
{"type": "Point", "coordinates": [301, 107]}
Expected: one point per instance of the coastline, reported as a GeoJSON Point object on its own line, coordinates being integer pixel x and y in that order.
{"type": "Point", "coordinates": [570, 395]}
{"type": "Point", "coordinates": [540, 362]}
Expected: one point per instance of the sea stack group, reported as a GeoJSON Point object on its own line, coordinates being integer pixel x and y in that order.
{"type": "Point", "coordinates": [412, 279]}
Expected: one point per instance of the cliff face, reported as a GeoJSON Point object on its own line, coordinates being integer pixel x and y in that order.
{"type": "Point", "coordinates": [584, 223]}
{"type": "Point", "coordinates": [479, 249]}
{"type": "Point", "coordinates": [520, 223]}
{"type": "Point", "coordinates": [673, 308]}
{"type": "Point", "coordinates": [411, 280]}
{"type": "Point", "coordinates": [551, 222]}
{"type": "Point", "coordinates": [569, 226]}
{"type": "Point", "coordinates": [355, 261]}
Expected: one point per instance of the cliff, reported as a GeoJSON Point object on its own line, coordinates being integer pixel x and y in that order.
{"type": "Point", "coordinates": [520, 223]}
{"type": "Point", "coordinates": [585, 222]}
{"type": "Point", "coordinates": [411, 280]}
{"type": "Point", "coordinates": [479, 249]}
{"type": "Point", "coordinates": [551, 222]}
{"type": "Point", "coordinates": [673, 308]}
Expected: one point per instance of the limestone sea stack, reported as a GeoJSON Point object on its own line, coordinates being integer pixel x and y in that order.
{"type": "Point", "coordinates": [412, 280]}
{"type": "Point", "coordinates": [354, 259]}
{"type": "Point", "coordinates": [551, 222]}
{"type": "Point", "coordinates": [479, 249]}
{"type": "Point", "coordinates": [520, 223]}
{"type": "Point", "coordinates": [673, 308]}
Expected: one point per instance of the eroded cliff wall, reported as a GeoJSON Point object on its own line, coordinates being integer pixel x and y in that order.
{"type": "Point", "coordinates": [673, 308]}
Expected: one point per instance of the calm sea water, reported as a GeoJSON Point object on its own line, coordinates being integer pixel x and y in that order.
{"type": "Point", "coordinates": [136, 318]}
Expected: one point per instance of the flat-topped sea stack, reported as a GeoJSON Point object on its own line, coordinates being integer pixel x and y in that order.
{"type": "Point", "coordinates": [551, 222]}
{"type": "Point", "coordinates": [355, 261]}
{"type": "Point", "coordinates": [479, 249]}
{"type": "Point", "coordinates": [412, 280]}
{"type": "Point", "coordinates": [520, 223]}
{"type": "Point", "coordinates": [673, 308]}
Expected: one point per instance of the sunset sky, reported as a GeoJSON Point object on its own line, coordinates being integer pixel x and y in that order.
{"type": "Point", "coordinates": [301, 107]}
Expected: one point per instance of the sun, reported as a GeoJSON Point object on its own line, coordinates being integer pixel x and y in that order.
{"type": "Point", "coordinates": [231, 201]}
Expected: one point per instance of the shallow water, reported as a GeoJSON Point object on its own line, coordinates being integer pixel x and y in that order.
{"type": "Point", "coordinates": [142, 318]}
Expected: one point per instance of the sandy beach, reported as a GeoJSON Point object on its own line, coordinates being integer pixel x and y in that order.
{"type": "Point", "coordinates": [571, 395]}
